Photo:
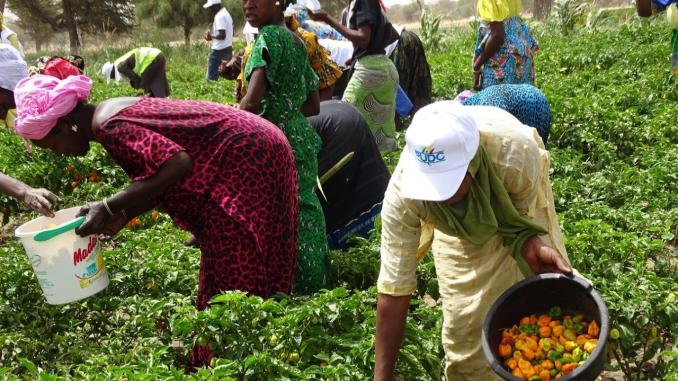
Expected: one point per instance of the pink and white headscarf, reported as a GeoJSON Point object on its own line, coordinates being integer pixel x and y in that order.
{"type": "Point", "coordinates": [41, 100]}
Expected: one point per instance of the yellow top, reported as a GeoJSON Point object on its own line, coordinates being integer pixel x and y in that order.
{"type": "Point", "coordinates": [497, 10]}
{"type": "Point", "coordinates": [521, 162]}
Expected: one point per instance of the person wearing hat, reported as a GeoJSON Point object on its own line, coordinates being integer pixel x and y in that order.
{"type": "Point", "coordinates": [144, 68]}
{"type": "Point", "coordinates": [472, 183]}
{"type": "Point", "coordinates": [221, 37]}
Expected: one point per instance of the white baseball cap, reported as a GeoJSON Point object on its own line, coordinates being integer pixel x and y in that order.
{"type": "Point", "coordinates": [440, 143]}
{"type": "Point", "coordinates": [209, 3]}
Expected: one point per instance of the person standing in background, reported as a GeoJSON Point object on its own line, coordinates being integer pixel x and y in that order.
{"type": "Point", "coordinates": [647, 8]}
{"type": "Point", "coordinates": [504, 48]}
{"type": "Point", "coordinates": [221, 37]}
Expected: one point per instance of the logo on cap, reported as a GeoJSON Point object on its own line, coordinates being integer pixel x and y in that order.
{"type": "Point", "coordinates": [429, 155]}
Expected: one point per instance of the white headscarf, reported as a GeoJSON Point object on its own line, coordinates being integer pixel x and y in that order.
{"type": "Point", "coordinates": [106, 72]}
{"type": "Point", "coordinates": [12, 67]}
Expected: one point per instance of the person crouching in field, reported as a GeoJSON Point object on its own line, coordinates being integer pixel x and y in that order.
{"type": "Point", "coordinates": [144, 68]}
{"type": "Point", "coordinates": [526, 102]}
{"type": "Point", "coordinates": [472, 183]}
{"type": "Point", "coordinates": [223, 174]}
{"type": "Point", "coordinates": [351, 195]}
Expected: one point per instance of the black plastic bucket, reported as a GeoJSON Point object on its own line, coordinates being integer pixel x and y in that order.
{"type": "Point", "coordinates": [535, 295]}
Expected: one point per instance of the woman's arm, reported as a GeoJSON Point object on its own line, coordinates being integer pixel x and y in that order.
{"type": "Point", "coordinates": [126, 68]}
{"type": "Point", "coordinates": [312, 105]}
{"type": "Point", "coordinates": [255, 93]}
{"type": "Point", "coordinates": [170, 172]}
{"type": "Point", "coordinates": [494, 42]}
{"type": "Point", "coordinates": [360, 37]}
{"type": "Point", "coordinates": [39, 200]}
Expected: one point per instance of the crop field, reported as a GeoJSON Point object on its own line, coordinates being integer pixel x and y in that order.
{"type": "Point", "coordinates": [614, 159]}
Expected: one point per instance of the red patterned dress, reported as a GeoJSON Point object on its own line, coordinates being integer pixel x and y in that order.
{"type": "Point", "coordinates": [240, 200]}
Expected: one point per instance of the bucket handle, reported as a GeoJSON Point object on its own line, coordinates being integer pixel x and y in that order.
{"type": "Point", "coordinates": [51, 233]}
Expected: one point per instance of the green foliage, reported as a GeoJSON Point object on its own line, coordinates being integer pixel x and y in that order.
{"type": "Point", "coordinates": [570, 13]}
{"type": "Point", "coordinates": [614, 154]}
{"type": "Point", "coordinates": [171, 13]}
{"type": "Point", "coordinates": [429, 30]}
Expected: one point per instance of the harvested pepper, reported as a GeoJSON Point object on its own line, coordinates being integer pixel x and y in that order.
{"type": "Point", "coordinates": [548, 346]}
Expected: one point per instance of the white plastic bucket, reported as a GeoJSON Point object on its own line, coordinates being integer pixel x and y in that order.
{"type": "Point", "coordinates": [68, 267]}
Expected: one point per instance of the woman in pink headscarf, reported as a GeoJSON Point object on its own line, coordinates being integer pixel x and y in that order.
{"type": "Point", "coordinates": [225, 175]}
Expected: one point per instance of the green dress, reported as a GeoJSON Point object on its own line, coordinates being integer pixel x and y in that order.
{"type": "Point", "coordinates": [290, 78]}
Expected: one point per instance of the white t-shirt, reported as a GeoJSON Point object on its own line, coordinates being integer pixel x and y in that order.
{"type": "Point", "coordinates": [223, 21]}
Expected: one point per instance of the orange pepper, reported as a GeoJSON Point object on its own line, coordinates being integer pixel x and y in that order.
{"type": "Point", "coordinates": [590, 345]}
{"type": "Point", "coordinates": [528, 354]}
{"type": "Point", "coordinates": [533, 319]}
{"type": "Point", "coordinates": [531, 343]}
{"type": "Point", "coordinates": [545, 375]}
{"type": "Point", "coordinates": [518, 373]}
{"type": "Point", "coordinates": [554, 323]}
{"type": "Point", "coordinates": [568, 368]}
{"type": "Point", "coordinates": [594, 330]}
{"type": "Point", "coordinates": [523, 365]}
{"type": "Point", "coordinates": [547, 364]}
{"type": "Point", "coordinates": [525, 321]}
{"type": "Point", "coordinates": [505, 350]}
{"type": "Point", "coordinates": [543, 320]}
{"type": "Point", "coordinates": [558, 365]}
{"type": "Point", "coordinates": [512, 363]}
{"type": "Point", "coordinates": [581, 339]}
{"type": "Point", "coordinates": [506, 334]}
{"type": "Point", "coordinates": [558, 330]}
{"type": "Point", "coordinates": [545, 331]}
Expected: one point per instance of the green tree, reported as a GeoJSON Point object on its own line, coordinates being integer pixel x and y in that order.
{"type": "Point", "coordinates": [38, 31]}
{"type": "Point", "coordinates": [186, 14]}
{"type": "Point", "coordinates": [77, 16]}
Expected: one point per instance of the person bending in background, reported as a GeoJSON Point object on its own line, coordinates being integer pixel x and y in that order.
{"type": "Point", "coordinates": [59, 67]}
{"type": "Point", "coordinates": [351, 197]}
{"type": "Point", "coordinates": [372, 87]}
{"type": "Point", "coordinates": [225, 175]}
{"type": "Point", "coordinates": [282, 87]}
{"type": "Point", "coordinates": [526, 102]}
{"type": "Point", "coordinates": [472, 184]}
{"type": "Point", "coordinates": [144, 68]}
{"type": "Point", "coordinates": [504, 47]}
{"type": "Point", "coordinates": [647, 8]}
{"type": "Point", "coordinates": [8, 36]}
{"type": "Point", "coordinates": [221, 37]}
{"type": "Point", "coordinates": [409, 57]}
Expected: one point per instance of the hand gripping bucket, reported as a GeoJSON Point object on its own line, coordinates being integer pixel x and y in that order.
{"type": "Point", "coordinates": [68, 267]}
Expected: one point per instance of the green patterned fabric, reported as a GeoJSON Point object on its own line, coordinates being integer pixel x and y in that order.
{"type": "Point", "coordinates": [290, 79]}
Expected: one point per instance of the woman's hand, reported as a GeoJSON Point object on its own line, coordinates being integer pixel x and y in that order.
{"type": "Point", "coordinates": [544, 259]}
{"type": "Point", "coordinates": [230, 69]}
{"type": "Point", "coordinates": [477, 80]}
{"type": "Point", "coordinates": [318, 15]}
{"type": "Point", "coordinates": [113, 226]}
{"type": "Point", "coordinates": [96, 220]}
{"type": "Point", "coordinates": [40, 200]}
